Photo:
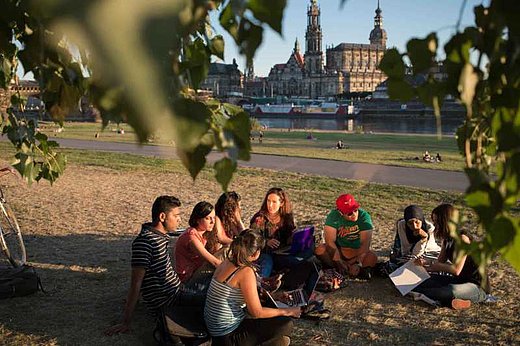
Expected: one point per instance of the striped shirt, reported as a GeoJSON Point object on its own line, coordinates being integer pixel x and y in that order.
{"type": "Point", "coordinates": [225, 308]}
{"type": "Point", "coordinates": [150, 251]}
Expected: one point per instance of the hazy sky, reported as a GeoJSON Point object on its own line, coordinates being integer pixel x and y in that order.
{"type": "Point", "coordinates": [402, 20]}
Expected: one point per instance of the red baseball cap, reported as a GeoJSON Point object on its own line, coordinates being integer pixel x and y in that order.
{"type": "Point", "coordinates": [346, 204]}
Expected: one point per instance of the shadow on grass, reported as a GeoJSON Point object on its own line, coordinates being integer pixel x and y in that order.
{"type": "Point", "coordinates": [86, 278]}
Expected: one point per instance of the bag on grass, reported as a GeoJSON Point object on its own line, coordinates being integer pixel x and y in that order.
{"type": "Point", "coordinates": [19, 281]}
{"type": "Point", "coordinates": [330, 280]}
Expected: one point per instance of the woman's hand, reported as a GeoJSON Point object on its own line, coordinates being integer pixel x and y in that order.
{"type": "Point", "coordinates": [273, 243]}
{"type": "Point", "coordinates": [293, 312]}
{"type": "Point", "coordinates": [422, 233]}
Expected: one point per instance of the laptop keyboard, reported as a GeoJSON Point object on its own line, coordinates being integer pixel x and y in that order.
{"type": "Point", "coordinates": [297, 298]}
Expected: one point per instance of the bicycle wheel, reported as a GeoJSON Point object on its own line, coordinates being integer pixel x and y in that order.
{"type": "Point", "coordinates": [11, 237]}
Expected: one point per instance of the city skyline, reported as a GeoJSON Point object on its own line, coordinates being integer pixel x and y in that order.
{"type": "Point", "coordinates": [402, 20]}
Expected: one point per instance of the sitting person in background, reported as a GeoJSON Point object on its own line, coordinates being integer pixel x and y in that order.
{"type": "Point", "coordinates": [413, 237]}
{"type": "Point", "coordinates": [348, 234]}
{"type": "Point", "coordinates": [275, 221]}
{"type": "Point", "coordinates": [426, 157]}
{"type": "Point", "coordinates": [438, 157]}
{"type": "Point", "coordinates": [464, 284]}
{"type": "Point", "coordinates": [233, 287]}
{"type": "Point", "coordinates": [339, 145]}
{"type": "Point", "coordinates": [191, 254]}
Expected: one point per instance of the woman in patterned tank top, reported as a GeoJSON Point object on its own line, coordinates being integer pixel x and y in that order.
{"type": "Point", "coordinates": [233, 312]}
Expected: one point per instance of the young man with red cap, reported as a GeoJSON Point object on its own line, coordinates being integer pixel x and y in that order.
{"type": "Point", "coordinates": [348, 233]}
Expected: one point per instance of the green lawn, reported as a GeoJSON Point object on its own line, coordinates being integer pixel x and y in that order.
{"type": "Point", "coordinates": [387, 149]}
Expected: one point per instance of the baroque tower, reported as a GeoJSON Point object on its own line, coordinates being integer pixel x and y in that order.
{"type": "Point", "coordinates": [378, 34]}
{"type": "Point", "coordinates": [313, 38]}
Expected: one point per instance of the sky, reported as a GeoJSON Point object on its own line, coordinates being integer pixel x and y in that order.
{"type": "Point", "coordinates": [402, 20]}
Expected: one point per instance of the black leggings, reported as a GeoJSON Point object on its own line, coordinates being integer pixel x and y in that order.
{"type": "Point", "coordinates": [251, 332]}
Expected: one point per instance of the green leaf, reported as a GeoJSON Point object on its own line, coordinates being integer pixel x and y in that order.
{"type": "Point", "coordinates": [192, 121]}
{"type": "Point", "coordinates": [217, 46]}
{"type": "Point", "coordinates": [399, 89]}
{"type": "Point", "coordinates": [249, 38]}
{"type": "Point", "coordinates": [229, 22]}
{"type": "Point", "coordinates": [270, 12]}
{"type": "Point", "coordinates": [511, 251]}
{"type": "Point", "coordinates": [502, 232]}
{"type": "Point", "coordinates": [224, 169]}
{"type": "Point", "coordinates": [467, 84]}
{"type": "Point", "coordinates": [422, 52]}
{"type": "Point", "coordinates": [392, 64]}
{"type": "Point", "coordinates": [195, 160]}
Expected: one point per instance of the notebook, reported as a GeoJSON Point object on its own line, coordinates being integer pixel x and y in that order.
{"type": "Point", "coordinates": [408, 276]}
{"type": "Point", "coordinates": [302, 240]}
{"type": "Point", "coordinates": [298, 297]}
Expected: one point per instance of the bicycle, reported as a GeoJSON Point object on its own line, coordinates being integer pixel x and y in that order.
{"type": "Point", "coordinates": [11, 241]}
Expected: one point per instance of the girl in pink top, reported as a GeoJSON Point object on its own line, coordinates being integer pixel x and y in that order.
{"type": "Point", "coordinates": [190, 251]}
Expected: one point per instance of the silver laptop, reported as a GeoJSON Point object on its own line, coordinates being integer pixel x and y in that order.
{"type": "Point", "coordinates": [298, 297]}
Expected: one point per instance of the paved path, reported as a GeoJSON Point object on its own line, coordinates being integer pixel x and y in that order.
{"type": "Point", "coordinates": [417, 177]}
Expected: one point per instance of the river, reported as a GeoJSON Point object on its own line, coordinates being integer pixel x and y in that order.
{"type": "Point", "coordinates": [424, 124]}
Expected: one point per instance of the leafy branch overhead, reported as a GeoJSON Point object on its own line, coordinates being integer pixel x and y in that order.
{"type": "Point", "coordinates": [482, 66]}
{"type": "Point", "coordinates": [139, 62]}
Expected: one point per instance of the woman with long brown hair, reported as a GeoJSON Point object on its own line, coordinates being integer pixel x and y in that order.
{"type": "Point", "coordinates": [463, 284]}
{"type": "Point", "coordinates": [275, 221]}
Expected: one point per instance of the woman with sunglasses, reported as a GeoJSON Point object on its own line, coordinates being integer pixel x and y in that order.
{"type": "Point", "coordinates": [348, 233]}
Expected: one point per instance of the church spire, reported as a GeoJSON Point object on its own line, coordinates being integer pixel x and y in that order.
{"type": "Point", "coordinates": [378, 34]}
{"type": "Point", "coordinates": [296, 46]}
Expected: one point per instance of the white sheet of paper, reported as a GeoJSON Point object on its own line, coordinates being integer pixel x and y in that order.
{"type": "Point", "coordinates": [408, 276]}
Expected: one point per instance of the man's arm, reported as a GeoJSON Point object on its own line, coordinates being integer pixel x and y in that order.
{"type": "Point", "coordinates": [330, 234]}
{"type": "Point", "coordinates": [131, 301]}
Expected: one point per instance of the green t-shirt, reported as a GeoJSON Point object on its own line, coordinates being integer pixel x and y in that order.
{"type": "Point", "coordinates": [348, 232]}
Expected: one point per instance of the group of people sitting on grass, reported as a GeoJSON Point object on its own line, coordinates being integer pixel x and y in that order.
{"type": "Point", "coordinates": [220, 266]}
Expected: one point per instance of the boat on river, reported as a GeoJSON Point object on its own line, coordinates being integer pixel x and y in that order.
{"type": "Point", "coordinates": [321, 109]}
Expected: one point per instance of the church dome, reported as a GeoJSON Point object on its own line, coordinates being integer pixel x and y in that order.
{"type": "Point", "coordinates": [378, 34]}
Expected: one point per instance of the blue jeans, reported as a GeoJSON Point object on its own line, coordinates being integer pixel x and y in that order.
{"type": "Point", "coordinates": [288, 261]}
{"type": "Point", "coordinates": [444, 289]}
{"type": "Point", "coordinates": [265, 264]}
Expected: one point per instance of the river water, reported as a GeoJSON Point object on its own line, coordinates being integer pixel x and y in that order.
{"type": "Point", "coordinates": [425, 124]}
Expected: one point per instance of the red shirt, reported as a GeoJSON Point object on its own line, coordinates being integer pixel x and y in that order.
{"type": "Point", "coordinates": [187, 258]}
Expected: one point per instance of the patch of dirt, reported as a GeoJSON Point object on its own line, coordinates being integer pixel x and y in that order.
{"type": "Point", "coordinates": [78, 234]}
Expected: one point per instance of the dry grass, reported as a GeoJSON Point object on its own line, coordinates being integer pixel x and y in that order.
{"type": "Point", "coordinates": [79, 231]}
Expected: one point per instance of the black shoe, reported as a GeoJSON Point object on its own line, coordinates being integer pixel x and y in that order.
{"type": "Point", "coordinates": [365, 273]}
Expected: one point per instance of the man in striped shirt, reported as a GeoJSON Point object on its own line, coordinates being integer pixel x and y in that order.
{"type": "Point", "coordinates": [152, 272]}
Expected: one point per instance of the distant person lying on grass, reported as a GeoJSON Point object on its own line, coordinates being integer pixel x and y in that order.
{"type": "Point", "coordinates": [152, 272]}
{"type": "Point", "coordinates": [348, 233]}
{"type": "Point", "coordinates": [463, 284]}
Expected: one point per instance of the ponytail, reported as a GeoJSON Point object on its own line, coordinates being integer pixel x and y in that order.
{"type": "Point", "coordinates": [244, 246]}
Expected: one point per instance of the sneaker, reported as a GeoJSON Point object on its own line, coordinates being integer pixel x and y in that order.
{"type": "Point", "coordinates": [460, 304]}
{"type": "Point", "coordinates": [365, 273]}
{"type": "Point", "coordinates": [286, 340]}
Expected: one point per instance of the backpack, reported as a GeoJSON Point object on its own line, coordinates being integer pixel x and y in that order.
{"type": "Point", "coordinates": [19, 281]}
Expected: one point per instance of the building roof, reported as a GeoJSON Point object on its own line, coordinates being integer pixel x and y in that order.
{"type": "Point", "coordinates": [218, 68]}
{"type": "Point", "coordinates": [348, 46]}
